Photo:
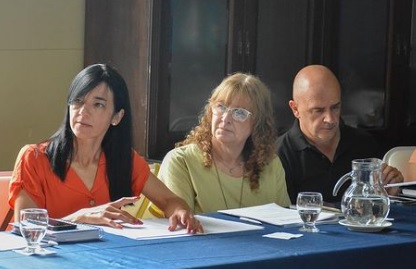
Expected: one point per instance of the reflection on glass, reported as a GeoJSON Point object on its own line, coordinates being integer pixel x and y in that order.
{"type": "Point", "coordinates": [362, 81]}
{"type": "Point", "coordinates": [309, 206]}
{"type": "Point", "coordinates": [33, 225]}
{"type": "Point", "coordinates": [198, 47]}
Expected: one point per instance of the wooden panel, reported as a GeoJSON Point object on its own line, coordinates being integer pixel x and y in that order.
{"type": "Point", "coordinates": [117, 33]}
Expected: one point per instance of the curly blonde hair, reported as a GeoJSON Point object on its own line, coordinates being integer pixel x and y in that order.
{"type": "Point", "coordinates": [260, 147]}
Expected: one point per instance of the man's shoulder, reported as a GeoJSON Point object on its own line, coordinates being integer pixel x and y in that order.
{"type": "Point", "coordinates": [359, 140]}
{"type": "Point", "coordinates": [290, 140]}
{"type": "Point", "coordinates": [354, 132]}
{"type": "Point", "coordinates": [282, 141]}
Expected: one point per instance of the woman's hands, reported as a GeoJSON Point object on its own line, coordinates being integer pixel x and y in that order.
{"type": "Point", "coordinates": [110, 214]}
{"type": "Point", "coordinates": [186, 219]}
{"type": "Point", "coordinates": [173, 207]}
{"type": "Point", "coordinates": [391, 175]}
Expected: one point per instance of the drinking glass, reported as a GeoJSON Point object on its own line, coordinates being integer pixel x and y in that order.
{"type": "Point", "coordinates": [33, 225]}
{"type": "Point", "coordinates": [309, 205]}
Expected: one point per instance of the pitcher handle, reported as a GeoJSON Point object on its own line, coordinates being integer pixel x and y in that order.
{"type": "Point", "coordinates": [341, 182]}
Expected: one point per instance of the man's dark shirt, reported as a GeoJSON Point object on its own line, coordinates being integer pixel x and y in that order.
{"type": "Point", "coordinates": [307, 169]}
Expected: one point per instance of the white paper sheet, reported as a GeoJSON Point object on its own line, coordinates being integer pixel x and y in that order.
{"type": "Point", "coordinates": [158, 228]}
{"type": "Point", "coordinates": [10, 241]}
{"type": "Point", "coordinates": [274, 214]}
{"type": "Point", "coordinates": [282, 235]}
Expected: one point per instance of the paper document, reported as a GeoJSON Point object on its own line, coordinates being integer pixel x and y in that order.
{"type": "Point", "coordinates": [403, 199]}
{"type": "Point", "coordinates": [158, 228]}
{"type": "Point", "coordinates": [275, 214]}
{"type": "Point", "coordinates": [10, 241]}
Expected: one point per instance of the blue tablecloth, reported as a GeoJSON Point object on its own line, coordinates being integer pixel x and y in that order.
{"type": "Point", "coordinates": [333, 247]}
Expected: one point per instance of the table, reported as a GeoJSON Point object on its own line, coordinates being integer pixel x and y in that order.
{"type": "Point", "coordinates": [333, 247]}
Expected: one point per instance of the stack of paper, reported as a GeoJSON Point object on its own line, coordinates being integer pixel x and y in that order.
{"type": "Point", "coordinates": [408, 192]}
{"type": "Point", "coordinates": [158, 228]}
{"type": "Point", "coordinates": [276, 215]}
{"type": "Point", "coordinates": [83, 232]}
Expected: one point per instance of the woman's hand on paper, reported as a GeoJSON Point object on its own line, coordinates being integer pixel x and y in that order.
{"type": "Point", "coordinates": [109, 214]}
{"type": "Point", "coordinates": [186, 219]}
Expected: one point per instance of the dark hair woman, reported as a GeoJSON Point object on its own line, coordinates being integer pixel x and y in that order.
{"type": "Point", "coordinates": [88, 170]}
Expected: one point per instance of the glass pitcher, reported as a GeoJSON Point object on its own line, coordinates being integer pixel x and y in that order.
{"type": "Point", "coordinates": [365, 202]}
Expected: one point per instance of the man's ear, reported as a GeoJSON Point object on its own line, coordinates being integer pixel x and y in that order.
{"type": "Point", "coordinates": [117, 117]}
{"type": "Point", "coordinates": [294, 107]}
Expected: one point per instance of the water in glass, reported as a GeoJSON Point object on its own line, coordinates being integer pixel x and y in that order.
{"type": "Point", "coordinates": [33, 225]}
{"type": "Point", "coordinates": [365, 202]}
{"type": "Point", "coordinates": [366, 210]}
{"type": "Point", "coordinates": [309, 205]}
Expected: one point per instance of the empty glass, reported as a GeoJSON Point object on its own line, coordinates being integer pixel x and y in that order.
{"type": "Point", "coordinates": [33, 225]}
{"type": "Point", "coordinates": [309, 205]}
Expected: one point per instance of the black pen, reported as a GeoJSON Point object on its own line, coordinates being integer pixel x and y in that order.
{"type": "Point", "coordinates": [250, 220]}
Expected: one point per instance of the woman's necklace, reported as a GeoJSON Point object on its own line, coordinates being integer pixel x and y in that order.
{"type": "Point", "coordinates": [230, 169]}
{"type": "Point", "coordinates": [222, 190]}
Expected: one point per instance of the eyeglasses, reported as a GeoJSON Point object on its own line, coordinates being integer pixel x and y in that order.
{"type": "Point", "coordinates": [238, 113]}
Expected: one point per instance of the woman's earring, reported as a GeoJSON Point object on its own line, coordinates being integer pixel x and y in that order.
{"type": "Point", "coordinates": [114, 124]}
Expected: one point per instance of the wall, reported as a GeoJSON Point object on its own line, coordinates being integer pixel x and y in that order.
{"type": "Point", "coordinates": [41, 50]}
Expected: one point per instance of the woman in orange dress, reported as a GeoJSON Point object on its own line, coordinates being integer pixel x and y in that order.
{"type": "Point", "coordinates": [88, 170]}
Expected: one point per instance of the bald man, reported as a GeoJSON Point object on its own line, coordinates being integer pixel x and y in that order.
{"type": "Point", "coordinates": [318, 149]}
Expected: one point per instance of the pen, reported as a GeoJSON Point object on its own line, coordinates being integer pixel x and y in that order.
{"type": "Point", "coordinates": [326, 208]}
{"type": "Point", "coordinates": [250, 220]}
{"type": "Point", "coordinates": [401, 184]}
{"type": "Point", "coordinates": [332, 209]}
{"type": "Point", "coordinates": [49, 243]}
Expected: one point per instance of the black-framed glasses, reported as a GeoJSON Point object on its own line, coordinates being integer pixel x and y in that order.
{"type": "Point", "coordinates": [238, 113]}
